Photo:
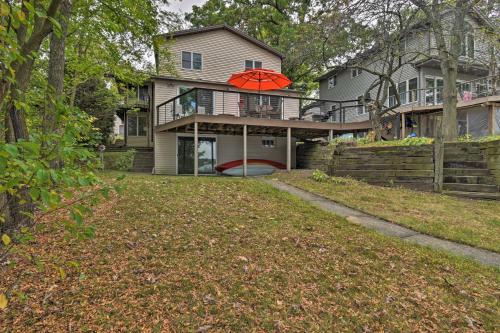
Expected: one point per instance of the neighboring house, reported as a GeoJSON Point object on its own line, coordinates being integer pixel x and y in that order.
{"type": "Point", "coordinates": [196, 104]}
{"type": "Point", "coordinates": [420, 85]}
{"type": "Point", "coordinates": [134, 112]}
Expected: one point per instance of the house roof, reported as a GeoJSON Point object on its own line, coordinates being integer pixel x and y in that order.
{"type": "Point", "coordinates": [228, 28]}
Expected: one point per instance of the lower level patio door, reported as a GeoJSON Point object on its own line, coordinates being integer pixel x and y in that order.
{"type": "Point", "coordinates": [207, 155]}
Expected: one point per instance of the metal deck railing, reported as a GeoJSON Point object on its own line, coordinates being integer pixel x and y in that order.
{"type": "Point", "coordinates": [259, 105]}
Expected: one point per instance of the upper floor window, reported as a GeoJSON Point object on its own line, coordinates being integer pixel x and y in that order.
{"type": "Point", "coordinates": [332, 81]}
{"type": "Point", "coordinates": [191, 60]}
{"type": "Point", "coordinates": [468, 41]}
{"type": "Point", "coordinates": [252, 64]}
{"type": "Point", "coordinates": [355, 72]}
{"type": "Point", "coordinates": [468, 46]}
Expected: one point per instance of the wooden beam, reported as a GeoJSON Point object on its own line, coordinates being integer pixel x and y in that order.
{"type": "Point", "coordinates": [403, 126]}
{"type": "Point", "coordinates": [289, 149]}
{"type": "Point", "coordinates": [245, 166]}
{"type": "Point", "coordinates": [196, 149]}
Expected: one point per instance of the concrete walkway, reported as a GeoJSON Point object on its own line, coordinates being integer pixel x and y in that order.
{"type": "Point", "coordinates": [388, 228]}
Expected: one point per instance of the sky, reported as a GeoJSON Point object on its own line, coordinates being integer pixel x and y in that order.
{"type": "Point", "coordinates": [184, 6]}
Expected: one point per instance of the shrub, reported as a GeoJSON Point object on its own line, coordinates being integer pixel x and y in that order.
{"type": "Point", "coordinates": [319, 176]}
{"type": "Point", "coordinates": [121, 161]}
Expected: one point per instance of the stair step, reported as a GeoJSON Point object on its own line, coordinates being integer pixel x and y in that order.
{"type": "Point", "coordinates": [474, 195]}
{"type": "Point", "coordinates": [470, 187]}
{"type": "Point", "coordinates": [487, 180]}
{"type": "Point", "coordinates": [465, 165]}
{"type": "Point", "coordinates": [463, 158]}
{"type": "Point", "coordinates": [465, 172]}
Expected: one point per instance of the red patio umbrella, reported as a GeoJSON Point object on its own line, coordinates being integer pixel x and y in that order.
{"type": "Point", "coordinates": [259, 79]}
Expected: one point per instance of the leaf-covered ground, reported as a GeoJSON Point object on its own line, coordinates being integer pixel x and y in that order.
{"type": "Point", "coordinates": [473, 222]}
{"type": "Point", "coordinates": [207, 254]}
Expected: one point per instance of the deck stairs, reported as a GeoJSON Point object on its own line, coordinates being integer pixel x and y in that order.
{"type": "Point", "coordinates": [466, 174]}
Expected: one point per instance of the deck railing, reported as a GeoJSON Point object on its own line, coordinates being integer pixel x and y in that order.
{"type": "Point", "coordinates": [259, 105]}
{"type": "Point", "coordinates": [467, 91]}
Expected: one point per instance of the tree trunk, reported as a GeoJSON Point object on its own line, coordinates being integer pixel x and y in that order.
{"type": "Point", "coordinates": [449, 68]}
{"type": "Point", "coordinates": [376, 123]}
{"type": "Point", "coordinates": [55, 75]}
{"type": "Point", "coordinates": [20, 205]}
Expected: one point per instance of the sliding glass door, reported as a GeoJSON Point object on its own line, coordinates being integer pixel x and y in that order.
{"type": "Point", "coordinates": [207, 155]}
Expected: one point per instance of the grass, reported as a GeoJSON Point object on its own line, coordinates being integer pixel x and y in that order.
{"type": "Point", "coordinates": [210, 254]}
{"type": "Point", "coordinates": [473, 222]}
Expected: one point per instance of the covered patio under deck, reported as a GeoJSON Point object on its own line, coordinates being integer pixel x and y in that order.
{"type": "Point", "coordinates": [246, 126]}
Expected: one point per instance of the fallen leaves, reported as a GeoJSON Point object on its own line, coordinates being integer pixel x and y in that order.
{"type": "Point", "coordinates": [3, 301]}
{"type": "Point", "coordinates": [225, 254]}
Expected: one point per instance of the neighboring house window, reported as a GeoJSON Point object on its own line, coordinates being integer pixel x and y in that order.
{"type": "Point", "coordinates": [355, 72]}
{"type": "Point", "coordinates": [468, 42]}
{"type": "Point", "coordinates": [332, 81]}
{"type": "Point", "coordinates": [412, 90]}
{"type": "Point", "coordinates": [468, 46]}
{"type": "Point", "coordinates": [252, 64]}
{"type": "Point", "coordinates": [361, 105]}
{"type": "Point", "coordinates": [268, 142]}
{"type": "Point", "coordinates": [136, 125]}
{"type": "Point", "coordinates": [392, 96]}
{"type": "Point", "coordinates": [408, 92]}
{"type": "Point", "coordinates": [402, 92]}
{"type": "Point", "coordinates": [191, 60]}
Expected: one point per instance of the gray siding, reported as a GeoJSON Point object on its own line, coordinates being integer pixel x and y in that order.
{"type": "Point", "coordinates": [348, 88]}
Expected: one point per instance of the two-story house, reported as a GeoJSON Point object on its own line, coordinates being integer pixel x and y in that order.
{"type": "Point", "coordinates": [420, 84]}
{"type": "Point", "coordinates": [196, 121]}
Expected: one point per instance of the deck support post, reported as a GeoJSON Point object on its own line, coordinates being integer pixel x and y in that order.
{"type": "Point", "coordinates": [196, 149]}
{"type": "Point", "coordinates": [245, 166]}
{"type": "Point", "coordinates": [403, 126]}
{"type": "Point", "coordinates": [289, 149]}
{"type": "Point", "coordinates": [330, 136]}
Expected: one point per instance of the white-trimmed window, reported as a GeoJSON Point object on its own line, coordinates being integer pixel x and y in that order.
{"type": "Point", "coordinates": [408, 92]}
{"type": "Point", "coordinates": [356, 72]}
{"type": "Point", "coordinates": [192, 60]}
{"type": "Point", "coordinates": [361, 105]}
{"type": "Point", "coordinates": [268, 142]}
{"type": "Point", "coordinates": [252, 64]}
{"type": "Point", "coordinates": [332, 81]}
{"type": "Point", "coordinates": [468, 42]}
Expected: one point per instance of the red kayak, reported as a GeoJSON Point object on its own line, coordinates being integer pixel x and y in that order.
{"type": "Point", "coordinates": [255, 167]}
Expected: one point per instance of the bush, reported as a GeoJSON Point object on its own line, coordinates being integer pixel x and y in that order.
{"type": "Point", "coordinates": [122, 161]}
{"type": "Point", "coordinates": [319, 176]}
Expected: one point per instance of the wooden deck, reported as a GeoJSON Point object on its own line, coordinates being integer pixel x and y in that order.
{"type": "Point", "coordinates": [226, 124]}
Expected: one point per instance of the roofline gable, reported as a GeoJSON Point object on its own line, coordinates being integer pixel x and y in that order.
{"type": "Point", "coordinates": [226, 27]}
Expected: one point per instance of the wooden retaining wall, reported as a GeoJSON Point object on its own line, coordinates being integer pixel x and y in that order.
{"type": "Point", "coordinates": [408, 166]}
{"type": "Point", "coordinates": [491, 151]}
{"type": "Point", "coordinates": [313, 155]}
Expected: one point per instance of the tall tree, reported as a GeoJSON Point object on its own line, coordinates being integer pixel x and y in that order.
{"type": "Point", "coordinates": [375, 33]}
{"type": "Point", "coordinates": [447, 21]}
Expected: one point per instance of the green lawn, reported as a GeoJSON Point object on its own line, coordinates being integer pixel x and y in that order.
{"type": "Point", "coordinates": [213, 254]}
{"type": "Point", "coordinates": [473, 222]}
